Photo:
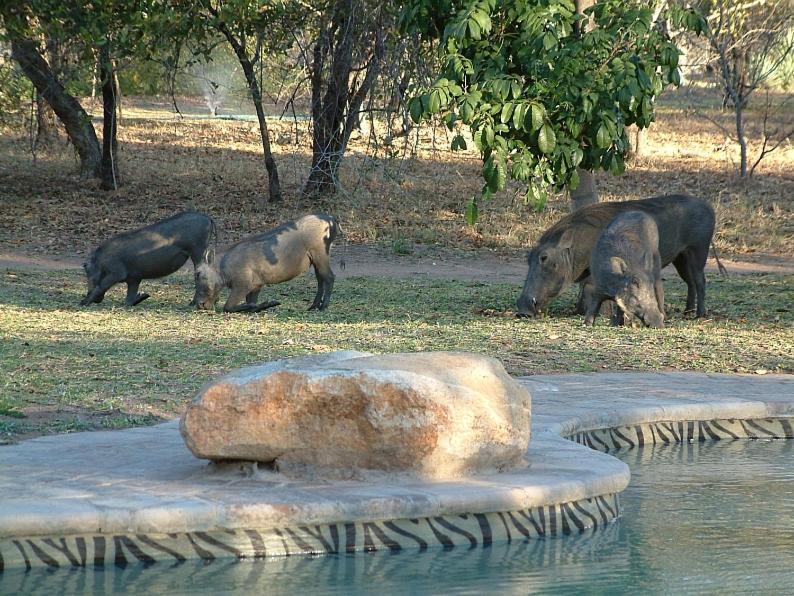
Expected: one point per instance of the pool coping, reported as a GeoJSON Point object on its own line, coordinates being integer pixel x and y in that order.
{"type": "Point", "coordinates": [143, 494]}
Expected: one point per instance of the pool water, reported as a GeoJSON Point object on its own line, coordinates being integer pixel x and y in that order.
{"type": "Point", "coordinates": [702, 517]}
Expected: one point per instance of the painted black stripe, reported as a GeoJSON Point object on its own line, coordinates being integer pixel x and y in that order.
{"type": "Point", "coordinates": [304, 546]}
{"type": "Point", "coordinates": [24, 554]}
{"type": "Point", "coordinates": [573, 517]}
{"type": "Point", "coordinates": [65, 550]}
{"type": "Point", "coordinates": [588, 441]}
{"type": "Point", "coordinates": [578, 506]}
{"type": "Point", "coordinates": [709, 432]}
{"type": "Point", "coordinates": [485, 529]}
{"type": "Point", "coordinates": [350, 537]}
{"type": "Point", "coordinates": [625, 438]}
{"type": "Point", "coordinates": [317, 534]}
{"type": "Point", "coordinates": [759, 428]}
{"type": "Point", "coordinates": [391, 544]}
{"type": "Point", "coordinates": [721, 428]}
{"type": "Point", "coordinates": [552, 520]}
{"type": "Point", "coordinates": [640, 435]}
{"type": "Point", "coordinates": [786, 425]}
{"type": "Point", "coordinates": [453, 528]}
{"type": "Point", "coordinates": [530, 519]}
{"type": "Point", "coordinates": [507, 528]}
{"type": "Point", "coordinates": [120, 560]}
{"type": "Point", "coordinates": [605, 504]}
{"type": "Point", "coordinates": [690, 431]}
{"type": "Point", "coordinates": [662, 436]}
{"type": "Point", "coordinates": [44, 557]}
{"type": "Point", "coordinates": [601, 511]}
{"type": "Point", "coordinates": [283, 542]}
{"type": "Point", "coordinates": [542, 518]}
{"type": "Point", "coordinates": [395, 528]}
{"type": "Point", "coordinates": [335, 538]}
{"type": "Point", "coordinates": [99, 551]}
{"type": "Point", "coordinates": [257, 544]}
{"type": "Point", "coordinates": [611, 435]}
{"type": "Point", "coordinates": [222, 545]}
{"type": "Point", "coordinates": [161, 547]}
{"type": "Point", "coordinates": [133, 548]}
{"type": "Point", "coordinates": [441, 537]}
{"type": "Point", "coordinates": [604, 448]}
{"type": "Point", "coordinates": [566, 529]}
{"type": "Point", "coordinates": [81, 550]}
{"type": "Point", "coordinates": [519, 526]}
{"type": "Point", "coordinates": [201, 552]}
{"type": "Point", "coordinates": [670, 428]}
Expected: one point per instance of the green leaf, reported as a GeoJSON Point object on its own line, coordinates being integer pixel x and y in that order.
{"type": "Point", "coordinates": [415, 108]}
{"type": "Point", "coordinates": [458, 143]}
{"type": "Point", "coordinates": [549, 41]}
{"type": "Point", "coordinates": [546, 139]}
{"type": "Point", "coordinates": [434, 103]}
{"type": "Point", "coordinates": [603, 140]}
{"type": "Point", "coordinates": [573, 181]}
{"type": "Point", "coordinates": [518, 115]}
{"type": "Point", "coordinates": [472, 212]}
{"type": "Point", "coordinates": [538, 115]}
{"type": "Point", "coordinates": [507, 112]}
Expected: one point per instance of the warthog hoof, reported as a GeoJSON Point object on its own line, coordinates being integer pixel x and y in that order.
{"type": "Point", "coordinates": [139, 298]}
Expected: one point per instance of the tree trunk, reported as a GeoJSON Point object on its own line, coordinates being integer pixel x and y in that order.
{"type": "Point", "coordinates": [46, 126]}
{"type": "Point", "coordinates": [274, 187]}
{"type": "Point", "coordinates": [75, 119]}
{"type": "Point", "coordinates": [586, 193]}
{"type": "Point", "coordinates": [110, 178]}
{"type": "Point", "coordinates": [742, 139]}
{"type": "Point", "coordinates": [335, 113]}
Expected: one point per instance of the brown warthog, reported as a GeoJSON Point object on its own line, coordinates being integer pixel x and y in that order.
{"type": "Point", "coordinates": [562, 255]}
{"type": "Point", "coordinates": [150, 252]}
{"type": "Point", "coordinates": [270, 258]}
{"type": "Point", "coordinates": [625, 267]}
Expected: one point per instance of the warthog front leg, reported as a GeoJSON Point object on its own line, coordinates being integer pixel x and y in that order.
{"type": "Point", "coordinates": [97, 294]}
{"type": "Point", "coordinates": [133, 297]}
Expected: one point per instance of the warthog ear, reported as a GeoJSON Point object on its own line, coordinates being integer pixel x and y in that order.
{"type": "Point", "coordinates": [566, 240]}
{"type": "Point", "coordinates": [617, 265]}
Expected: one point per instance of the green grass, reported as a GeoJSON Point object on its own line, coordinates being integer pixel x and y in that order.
{"type": "Point", "coordinates": [68, 368]}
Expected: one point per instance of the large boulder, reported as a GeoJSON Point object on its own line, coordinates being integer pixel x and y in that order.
{"type": "Point", "coordinates": [346, 414]}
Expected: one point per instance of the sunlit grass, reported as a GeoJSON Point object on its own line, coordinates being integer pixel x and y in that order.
{"type": "Point", "coordinates": [107, 366]}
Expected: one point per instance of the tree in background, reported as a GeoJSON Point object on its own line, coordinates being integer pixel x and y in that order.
{"type": "Point", "coordinates": [750, 41]}
{"type": "Point", "coordinates": [253, 30]}
{"type": "Point", "coordinates": [344, 59]}
{"type": "Point", "coordinates": [543, 96]}
{"type": "Point", "coordinates": [22, 27]}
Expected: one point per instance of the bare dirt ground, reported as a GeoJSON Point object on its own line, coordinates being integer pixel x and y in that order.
{"type": "Point", "coordinates": [430, 263]}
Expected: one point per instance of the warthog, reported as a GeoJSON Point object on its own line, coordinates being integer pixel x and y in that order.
{"type": "Point", "coordinates": [270, 258]}
{"type": "Point", "coordinates": [625, 266]}
{"type": "Point", "coordinates": [562, 254]}
{"type": "Point", "coordinates": [150, 252]}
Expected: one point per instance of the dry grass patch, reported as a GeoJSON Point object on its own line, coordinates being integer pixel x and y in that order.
{"type": "Point", "coordinates": [412, 190]}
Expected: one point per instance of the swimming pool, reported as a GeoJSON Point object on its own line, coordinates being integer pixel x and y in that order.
{"type": "Point", "coordinates": [710, 516]}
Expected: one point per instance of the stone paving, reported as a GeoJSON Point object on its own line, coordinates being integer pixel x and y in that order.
{"type": "Point", "coordinates": [143, 481]}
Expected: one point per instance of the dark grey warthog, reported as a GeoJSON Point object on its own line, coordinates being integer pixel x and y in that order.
{"type": "Point", "coordinates": [150, 252]}
{"type": "Point", "coordinates": [625, 267]}
{"type": "Point", "coordinates": [270, 258]}
{"type": "Point", "coordinates": [562, 255]}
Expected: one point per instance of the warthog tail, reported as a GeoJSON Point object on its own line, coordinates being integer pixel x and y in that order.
{"type": "Point", "coordinates": [720, 267]}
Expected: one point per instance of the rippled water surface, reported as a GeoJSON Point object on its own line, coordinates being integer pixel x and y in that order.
{"type": "Point", "coordinates": [705, 517]}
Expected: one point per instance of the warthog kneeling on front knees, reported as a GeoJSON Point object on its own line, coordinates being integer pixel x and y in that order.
{"type": "Point", "coordinates": [562, 255]}
{"type": "Point", "coordinates": [625, 267]}
{"type": "Point", "coordinates": [270, 258]}
{"type": "Point", "coordinates": [150, 252]}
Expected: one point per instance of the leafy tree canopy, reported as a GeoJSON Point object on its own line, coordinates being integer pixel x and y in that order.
{"type": "Point", "coordinates": [545, 90]}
